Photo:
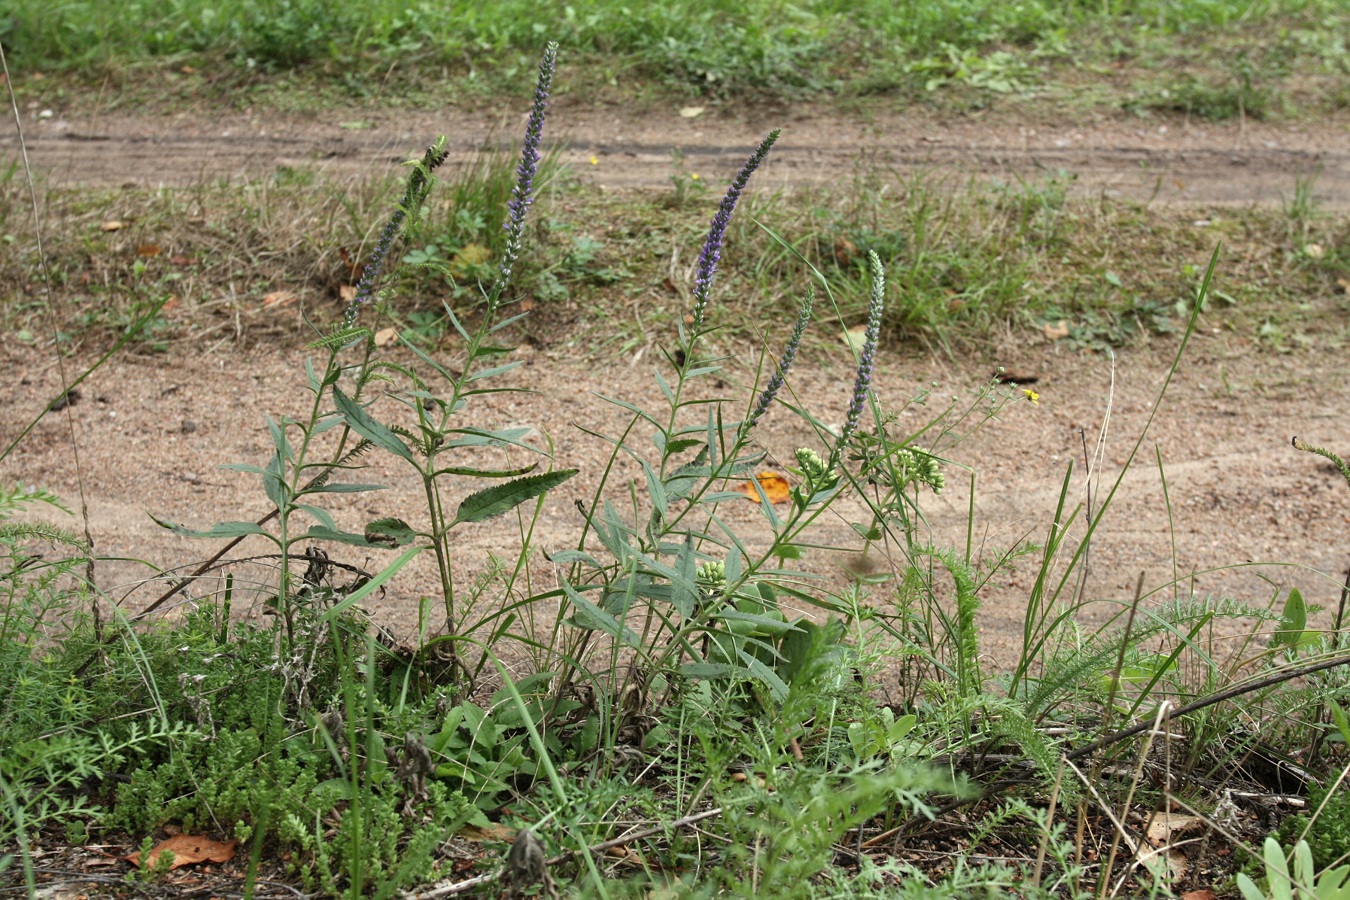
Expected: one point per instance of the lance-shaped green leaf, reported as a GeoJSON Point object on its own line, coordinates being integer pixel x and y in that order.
{"type": "Point", "coordinates": [473, 472]}
{"type": "Point", "coordinates": [1293, 619]}
{"type": "Point", "coordinates": [372, 585]}
{"type": "Point", "coordinates": [390, 532]}
{"type": "Point", "coordinates": [219, 530]}
{"type": "Point", "coordinates": [324, 533]}
{"type": "Point", "coordinates": [367, 427]}
{"type": "Point", "coordinates": [502, 498]}
{"type": "Point", "coordinates": [588, 615]}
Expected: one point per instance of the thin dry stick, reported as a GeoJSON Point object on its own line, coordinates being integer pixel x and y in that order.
{"type": "Point", "coordinates": [1049, 825]}
{"type": "Point", "coordinates": [1238, 691]}
{"type": "Point", "coordinates": [51, 315]}
{"type": "Point", "coordinates": [1103, 881]}
{"type": "Point", "coordinates": [460, 887]}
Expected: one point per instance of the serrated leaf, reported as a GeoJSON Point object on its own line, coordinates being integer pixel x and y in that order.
{"type": "Point", "coordinates": [219, 530]}
{"type": "Point", "coordinates": [366, 426]}
{"type": "Point", "coordinates": [324, 533]}
{"type": "Point", "coordinates": [344, 488]}
{"type": "Point", "coordinates": [502, 498]}
{"type": "Point", "coordinates": [472, 472]}
{"type": "Point", "coordinates": [390, 532]}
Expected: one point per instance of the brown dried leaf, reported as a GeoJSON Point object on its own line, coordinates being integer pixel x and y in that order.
{"type": "Point", "coordinates": [1165, 827]}
{"type": "Point", "coordinates": [112, 225]}
{"type": "Point", "coordinates": [279, 298]}
{"type": "Point", "coordinates": [347, 293]}
{"type": "Point", "coordinates": [491, 832]}
{"type": "Point", "coordinates": [148, 250]}
{"type": "Point", "coordinates": [187, 850]}
{"type": "Point", "coordinates": [1055, 331]}
{"type": "Point", "coordinates": [385, 336]}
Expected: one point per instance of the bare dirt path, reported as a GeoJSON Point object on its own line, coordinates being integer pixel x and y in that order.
{"type": "Point", "coordinates": [1163, 160]}
{"type": "Point", "coordinates": [152, 431]}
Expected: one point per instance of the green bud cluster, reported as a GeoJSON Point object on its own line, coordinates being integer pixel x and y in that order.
{"type": "Point", "coordinates": [818, 475]}
{"type": "Point", "coordinates": [921, 468]}
{"type": "Point", "coordinates": [712, 577]}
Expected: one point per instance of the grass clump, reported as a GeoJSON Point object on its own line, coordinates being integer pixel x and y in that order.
{"type": "Point", "coordinates": [971, 51]}
{"type": "Point", "coordinates": [699, 687]}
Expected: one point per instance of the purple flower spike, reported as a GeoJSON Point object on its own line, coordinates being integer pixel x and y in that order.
{"type": "Point", "coordinates": [521, 195]}
{"type": "Point", "coordinates": [712, 246]}
{"type": "Point", "coordinates": [784, 362]}
{"type": "Point", "coordinates": [866, 358]}
{"type": "Point", "coordinates": [419, 183]}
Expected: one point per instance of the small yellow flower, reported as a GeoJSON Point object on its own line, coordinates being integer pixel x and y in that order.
{"type": "Point", "coordinates": [1032, 396]}
{"type": "Point", "coordinates": [594, 161]}
{"type": "Point", "coordinates": [693, 176]}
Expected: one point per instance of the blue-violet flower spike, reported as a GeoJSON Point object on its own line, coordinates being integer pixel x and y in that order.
{"type": "Point", "coordinates": [866, 358]}
{"type": "Point", "coordinates": [712, 245]}
{"type": "Point", "coordinates": [522, 193]}
{"type": "Point", "coordinates": [419, 184]}
{"type": "Point", "coordinates": [784, 362]}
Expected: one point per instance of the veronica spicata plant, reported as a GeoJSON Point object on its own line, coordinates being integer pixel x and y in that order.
{"type": "Point", "coordinates": [680, 589]}
{"type": "Point", "coordinates": [420, 421]}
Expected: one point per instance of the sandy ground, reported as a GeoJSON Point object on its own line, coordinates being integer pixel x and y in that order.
{"type": "Point", "coordinates": [1162, 160]}
{"type": "Point", "coordinates": [152, 431]}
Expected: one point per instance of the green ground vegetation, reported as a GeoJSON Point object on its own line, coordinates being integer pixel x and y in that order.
{"type": "Point", "coordinates": [968, 258]}
{"type": "Point", "coordinates": [1211, 58]}
{"type": "Point", "coordinates": [650, 712]}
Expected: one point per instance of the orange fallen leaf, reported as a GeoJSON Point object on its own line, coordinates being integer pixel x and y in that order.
{"type": "Point", "coordinates": [775, 487]}
{"type": "Point", "coordinates": [279, 298]}
{"type": "Point", "coordinates": [1202, 894]}
{"type": "Point", "coordinates": [188, 850]}
{"type": "Point", "coordinates": [385, 336]}
{"type": "Point", "coordinates": [148, 250]}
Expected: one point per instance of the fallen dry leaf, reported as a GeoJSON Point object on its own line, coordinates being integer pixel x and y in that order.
{"type": "Point", "coordinates": [1344, 284]}
{"type": "Point", "coordinates": [775, 487]}
{"type": "Point", "coordinates": [188, 850]}
{"type": "Point", "coordinates": [845, 251]}
{"type": "Point", "coordinates": [855, 337]}
{"type": "Point", "coordinates": [279, 298]}
{"type": "Point", "coordinates": [1166, 826]}
{"type": "Point", "coordinates": [491, 832]}
{"type": "Point", "coordinates": [1055, 331]}
{"type": "Point", "coordinates": [347, 293]}
{"type": "Point", "coordinates": [385, 336]}
{"type": "Point", "coordinates": [148, 250]}
{"type": "Point", "coordinates": [1203, 894]}
{"type": "Point", "coordinates": [112, 225]}
{"type": "Point", "coordinates": [469, 256]}
{"type": "Point", "coordinates": [691, 112]}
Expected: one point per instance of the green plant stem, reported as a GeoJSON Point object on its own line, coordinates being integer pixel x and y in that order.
{"type": "Point", "coordinates": [1230, 693]}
